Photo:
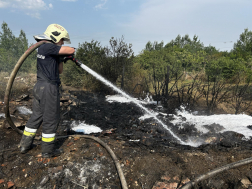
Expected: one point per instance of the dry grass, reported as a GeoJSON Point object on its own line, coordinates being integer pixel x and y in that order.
{"type": "Point", "coordinates": [22, 84]}
{"type": "Point", "coordinates": [25, 82]}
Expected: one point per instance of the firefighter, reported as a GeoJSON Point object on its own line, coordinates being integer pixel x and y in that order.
{"type": "Point", "coordinates": [46, 102]}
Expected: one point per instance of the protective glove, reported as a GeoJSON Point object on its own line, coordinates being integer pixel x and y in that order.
{"type": "Point", "coordinates": [69, 57]}
{"type": "Point", "coordinates": [61, 58]}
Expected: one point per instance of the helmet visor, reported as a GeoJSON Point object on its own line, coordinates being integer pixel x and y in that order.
{"type": "Point", "coordinates": [67, 41]}
{"type": "Point", "coordinates": [42, 37]}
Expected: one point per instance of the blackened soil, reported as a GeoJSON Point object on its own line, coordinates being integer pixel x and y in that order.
{"type": "Point", "coordinates": [149, 156]}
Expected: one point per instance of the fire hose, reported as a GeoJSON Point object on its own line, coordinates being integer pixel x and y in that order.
{"type": "Point", "coordinates": [13, 126]}
{"type": "Point", "coordinates": [212, 173]}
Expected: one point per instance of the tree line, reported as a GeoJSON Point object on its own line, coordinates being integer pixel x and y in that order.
{"type": "Point", "coordinates": [12, 48]}
{"type": "Point", "coordinates": [166, 69]}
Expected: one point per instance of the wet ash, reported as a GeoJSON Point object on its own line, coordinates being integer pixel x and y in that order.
{"type": "Point", "coordinates": [149, 155]}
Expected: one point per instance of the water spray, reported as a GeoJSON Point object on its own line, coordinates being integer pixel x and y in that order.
{"type": "Point", "coordinates": [109, 84]}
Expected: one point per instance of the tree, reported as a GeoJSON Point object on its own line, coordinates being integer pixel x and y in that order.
{"type": "Point", "coordinates": [7, 60]}
{"type": "Point", "coordinates": [243, 46]}
{"type": "Point", "coordinates": [210, 50]}
{"type": "Point", "coordinates": [121, 56]}
{"type": "Point", "coordinates": [224, 68]}
{"type": "Point", "coordinates": [12, 48]}
{"type": "Point", "coordinates": [154, 46]}
{"type": "Point", "coordinates": [192, 45]}
{"type": "Point", "coordinates": [7, 39]}
{"type": "Point", "coordinates": [7, 55]}
{"type": "Point", "coordinates": [21, 43]}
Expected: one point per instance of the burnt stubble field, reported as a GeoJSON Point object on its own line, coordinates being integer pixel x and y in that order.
{"type": "Point", "coordinates": [149, 156]}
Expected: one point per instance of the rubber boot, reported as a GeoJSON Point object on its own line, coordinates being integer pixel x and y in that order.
{"type": "Point", "coordinates": [26, 143]}
{"type": "Point", "coordinates": [55, 153]}
{"type": "Point", "coordinates": [48, 150]}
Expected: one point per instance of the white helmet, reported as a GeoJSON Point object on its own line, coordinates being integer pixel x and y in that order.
{"type": "Point", "coordinates": [55, 33]}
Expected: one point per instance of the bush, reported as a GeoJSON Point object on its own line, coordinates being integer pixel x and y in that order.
{"type": "Point", "coordinates": [73, 75]}
{"type": "Point", "coordinates": [224, 68]}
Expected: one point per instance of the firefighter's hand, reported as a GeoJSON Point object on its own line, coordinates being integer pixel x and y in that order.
{"type": "Point", "coordinates": [69, 57]}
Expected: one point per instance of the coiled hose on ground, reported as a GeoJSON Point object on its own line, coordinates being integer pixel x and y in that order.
{"type": "Point", "coordinates": [13, 126]}
{"type": "Point", "coordinates": [212, 173]}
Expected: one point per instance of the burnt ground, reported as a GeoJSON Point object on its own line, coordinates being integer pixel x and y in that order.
{"type": "Point", "coordinates": [149, 156]}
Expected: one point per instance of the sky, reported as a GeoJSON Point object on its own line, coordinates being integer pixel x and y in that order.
{"type": "Point", "coordinates": [218, 23]}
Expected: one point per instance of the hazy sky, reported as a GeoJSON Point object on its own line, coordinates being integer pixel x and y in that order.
{"type": "Point", "coordinates": [216, 22]}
